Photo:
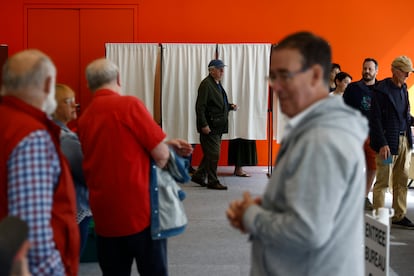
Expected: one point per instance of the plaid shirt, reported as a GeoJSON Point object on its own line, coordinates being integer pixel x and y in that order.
{"type": "Point", "coordinates": [33, 173]}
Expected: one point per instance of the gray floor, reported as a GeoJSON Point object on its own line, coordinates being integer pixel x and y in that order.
{"type": "Point", "coordinates": [210, 246]}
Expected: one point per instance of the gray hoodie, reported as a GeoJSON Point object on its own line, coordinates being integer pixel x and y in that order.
{"type": "Point", "coordinates": [311, 218]}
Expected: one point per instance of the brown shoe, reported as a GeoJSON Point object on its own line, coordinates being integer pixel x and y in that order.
{"type": "Point", "coordinates": [216, 186]}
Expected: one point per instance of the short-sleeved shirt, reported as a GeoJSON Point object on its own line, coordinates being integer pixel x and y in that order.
{"type": "Point", "coordinates": [117, 134]}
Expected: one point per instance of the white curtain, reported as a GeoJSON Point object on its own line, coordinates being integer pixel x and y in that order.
{"type": "Point", "coordinates": [137, 66]}
{"type": "Point", "coordinates": [279, 120]}
{"type": "Point", "coordinates": [184, 66]}
{"type": "Point", "coordinates": [245, 83]}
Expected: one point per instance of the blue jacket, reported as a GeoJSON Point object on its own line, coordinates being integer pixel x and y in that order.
{"type": "Point", "coordinates": [168, 216]}
{"type": "Point", "coordinates": [384, 121]}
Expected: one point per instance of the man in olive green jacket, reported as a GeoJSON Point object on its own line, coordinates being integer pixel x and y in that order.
{"type": "Point", "coordinates": [212, 109]}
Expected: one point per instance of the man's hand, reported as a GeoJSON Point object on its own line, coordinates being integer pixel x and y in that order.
{"type": "Point", "coordinates": [384, 152]}
{"type": "Point", "coordinates": [181, 147]}
{"type": "Point", "coordinates": [206, 130]}
{"type": "Point", "coordinates": [237, 208]}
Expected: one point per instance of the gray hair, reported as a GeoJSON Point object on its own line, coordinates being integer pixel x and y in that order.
{"type": "Point", "coordinates": [27, 69]}
{"type": "Point", "coordinates": [100, 72]}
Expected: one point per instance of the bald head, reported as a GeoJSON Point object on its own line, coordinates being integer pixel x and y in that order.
{"type": "Point", "coordinates": [102, 73]}
{"type": "Point", "coordinates": [30, 75]}
{"type": "Point", "coordinates": [27, 69]}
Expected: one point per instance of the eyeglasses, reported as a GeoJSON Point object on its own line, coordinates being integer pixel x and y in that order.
{"type": "Point", "coordinates": [283, 76]}
{"type": "Point", "coordinates": [69, 100]}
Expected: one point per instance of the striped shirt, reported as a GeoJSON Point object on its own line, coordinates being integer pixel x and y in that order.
{"type": "Point", "coordinates": [33, 172]}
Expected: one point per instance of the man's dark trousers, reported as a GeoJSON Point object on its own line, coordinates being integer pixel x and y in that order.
{"type": "Point", "coordinates": [210, 143]}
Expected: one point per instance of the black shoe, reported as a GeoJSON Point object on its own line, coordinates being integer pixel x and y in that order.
{"type": "Point", "coordinates": [199, 181]}
{"type": "Point", "coordinates": [405, 223]}
{"type": "Point", "coordinates": [216, 186]}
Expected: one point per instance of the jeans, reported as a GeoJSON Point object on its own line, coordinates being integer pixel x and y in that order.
{"type": "Point", "coordinates": [84, 232]}
{"type": "Point", "coordinates": [116, 254]}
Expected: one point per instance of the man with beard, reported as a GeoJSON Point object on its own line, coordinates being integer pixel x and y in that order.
{"type": "Point", "coordinates": [390, 134]}
{"type": "Point", "coordinates": [359, 95]}
{"type": "Point", "coordinates": [35, 181]}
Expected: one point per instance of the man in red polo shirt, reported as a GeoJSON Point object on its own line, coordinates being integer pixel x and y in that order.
{"type": "Point", "coordinates": [118, 137]}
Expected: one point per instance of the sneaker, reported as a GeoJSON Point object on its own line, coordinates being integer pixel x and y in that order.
{"type": "Point", "coordinates": [199, 181]}
{"type": "Point", "coordinates": [216, 186]}
{"type": "Point", "coordinates": [368, 205]}
{"type": "Point", "coordinates": [405, 223]}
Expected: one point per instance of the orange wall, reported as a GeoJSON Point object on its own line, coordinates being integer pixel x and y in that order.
{"type": "Point", "coordinates": [379, 28]}
{"type": "Point", "coordinates": [262, 153]}
{"type": "Point", "coordinates": [356, 29]}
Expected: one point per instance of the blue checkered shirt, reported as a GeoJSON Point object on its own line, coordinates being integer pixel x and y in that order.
{"type": "Point", "coordinates": [33, 173]}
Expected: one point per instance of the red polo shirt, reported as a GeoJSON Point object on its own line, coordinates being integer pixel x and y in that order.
{"type": "Point", "coordinates": [117, 134]}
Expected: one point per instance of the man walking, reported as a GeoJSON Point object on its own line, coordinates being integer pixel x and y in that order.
{"type": "Point", "coordinates": [212, 110]}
